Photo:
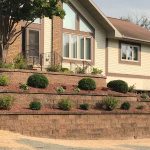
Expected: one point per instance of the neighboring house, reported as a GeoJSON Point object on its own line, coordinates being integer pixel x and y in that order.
{"type": "Point", "coordinates": [86, 37]}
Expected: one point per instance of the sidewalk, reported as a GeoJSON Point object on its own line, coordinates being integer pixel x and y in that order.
{"type": "Point", "coordinates": [11, 141]}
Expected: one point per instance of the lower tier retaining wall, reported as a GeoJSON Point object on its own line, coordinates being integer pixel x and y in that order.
{"type": "Point", "coordinates": [78, 125]}
{"type": "Point", "coordinates": [51, 100]}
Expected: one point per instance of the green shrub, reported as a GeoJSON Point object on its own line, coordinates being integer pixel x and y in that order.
{"type": "Point", "coordinates": [145, 96]}
{"type": "Point", "coordinates": [84, 106]}
{"type": "Point", "coordinates": [20, 62]}
{"type": "Point", "coordinates": [96, 71]}
{"type": "Point", "coordinates": [126, 106]}
{"type": "Point", "coordinates": [60, 90]}
{"type": "Point", "coordinates": [35, 105]}
{"type": "Point", "coordinates": [38, 81]}
{"type": "Point", "coordinates": [6, 102]}
{"type": "Point", "coordinates": [76, 90]}
{"type": "Point", "coordinates": [140, 107]}
{"type": "Point", "coordinates": [24, 87]}
{"type": "Point", "coordinates": [118, 86]}
{"type": "Point", "coordinates": [54, 68]}
{"type": "Point", "coordinates": [6, 65]}
{"type": "Point", "coordinates": [80, 70]}
{"type": "Point", "coordinates": [4, 80]}
{"type": "Point", "coordinates": [109, 103]}
{"type": "Point", "coordinates": [65, 70]}
{"type": "Point", "coordinates": [87, 84]}
{"type": "Point", "coordinates": [65, 105]}
{"type": "Point", "coordinates": [131, 89]}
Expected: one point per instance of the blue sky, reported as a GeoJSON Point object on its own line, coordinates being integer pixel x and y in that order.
{"type": "Point", "coordinates": [118, 8]}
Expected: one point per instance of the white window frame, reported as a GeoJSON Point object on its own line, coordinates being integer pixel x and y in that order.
{"type": "Point", "coordinates": [130, 45]}
{"type": "Point", "coordinates": [78, 47]}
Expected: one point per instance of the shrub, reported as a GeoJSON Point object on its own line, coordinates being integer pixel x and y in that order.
{"type": "Point", "coordinates": [38, 81]}
{"type": "Point", "coordinates": [4, 80]}
{"type": "Point", "coordinates": [24, 87]}
{"type": "Point", "coordinates": [145, 96]}
{"type": "Point", "coordinates": [54, 68]}
{"type": "Point", "coordinates": [60, 90]}
{"type": "Point", "coordinates": [6, 102]}
{"type": "Point", "coordinates": [6, 65]}
{"type": "Point", "coordinates": [140, 107]}
{"type": "Point", "coordinates": [76, 90]}
{"type": "Point", "coordinates": [80, 70]}
{"type": "Point", "coordinates": [131, 89]}
{"type": "Point", "coordinates": [65, 105]}
{"type": "Point", "coordinates": [126, 106]}
{"type": "Point", "coordinates": [118, 86]}
{"type": "Point", "coordinates": [87, 84]}
{"type": "Point", "coordinates": [84, 106]}
{"type": "Point", "coordinates": [20, 62]}
{"type": "Point", "coordinates": [35, 105]}
{"type": "Point", "coordinates": [96, 71]}
{"type": "Point", "coordinates": [109, 103]}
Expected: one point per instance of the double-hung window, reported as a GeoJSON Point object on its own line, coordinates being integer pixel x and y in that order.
{"type": "Point", "coordinates": [78, 36]}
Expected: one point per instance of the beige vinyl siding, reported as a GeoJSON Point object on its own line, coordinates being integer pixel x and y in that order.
{"type": "Point", "coordinates": [47, 38]}
{"type": "Point", "coordinates": [100, 38]}
{"type": "Point", "coordinates": [142, 70]}
{"type": "Point", "coordinates": [115, 67]}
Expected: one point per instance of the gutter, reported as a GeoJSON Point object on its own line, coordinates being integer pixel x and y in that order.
{"type": "Point", "coordinates": [135, 39]}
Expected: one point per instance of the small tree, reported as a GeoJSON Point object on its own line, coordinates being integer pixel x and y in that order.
{"type": "Point", "coordinates": [140, 20]}
{"type": "Point", "coordinates": [14, 11]}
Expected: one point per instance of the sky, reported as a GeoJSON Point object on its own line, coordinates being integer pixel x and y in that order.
{"type": "Point", "coordinates": [123, 8]}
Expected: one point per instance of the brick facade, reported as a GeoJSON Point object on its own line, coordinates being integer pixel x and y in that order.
{"type": "Point", "coordinates": [15, 48]}
{"type": "Point", "coordinates": [78, 125]}
{"type": "Point", "coordinates": [57, 36]}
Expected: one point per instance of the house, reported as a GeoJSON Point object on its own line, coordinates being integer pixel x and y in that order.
{"type": "Point", "coordinates": [86, 37]}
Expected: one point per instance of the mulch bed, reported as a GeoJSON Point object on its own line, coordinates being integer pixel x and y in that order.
{"type": "Point", "coordinates": [69, 89]}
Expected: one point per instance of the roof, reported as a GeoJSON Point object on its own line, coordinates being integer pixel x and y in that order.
{"type": "Point", "coordinates": [130, 30]}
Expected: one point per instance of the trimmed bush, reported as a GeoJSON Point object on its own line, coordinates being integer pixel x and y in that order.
{"type": "Point", "coordinates": [126, 106]}
{"type": "Point", "coordinates": [118, 86]}
{"type": "Point", "coordinates": [38, 81]}
{"type": "Point", "coordinates": [65, 104]}
{"type": "Point", "coordinates": [87, 84]}
{"type": "Point", "coordinates": [35, 105]}
{"type": "Point", "coordinates": [109, 103]}
{"type": "Point", "coordinates": [4, 80]}
{"type": "Point", "coordinates": [84, 106]}
{"type": "Point", "coordinates": [6, 102]}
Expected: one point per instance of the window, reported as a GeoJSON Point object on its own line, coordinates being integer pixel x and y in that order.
{"type": "Point", "coordinates": [33, 43]}
{"type": "Point", "coordinates": [130, 52]}
{"type": "Point", "coordinates": [69, 21]}
{"type": "Point", "coordinates": [76, 47]}
{"type": "Point", "coordinates": [78, 35]}
{"type": "Point", "coordinates": [84, 27]}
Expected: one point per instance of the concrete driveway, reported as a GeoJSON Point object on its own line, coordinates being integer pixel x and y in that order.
{"type": "Point", "coordinates": [11, 141]}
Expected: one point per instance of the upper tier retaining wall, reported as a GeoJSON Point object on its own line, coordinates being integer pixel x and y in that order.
{"type": "Point", "coordinates": [21, 76]}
